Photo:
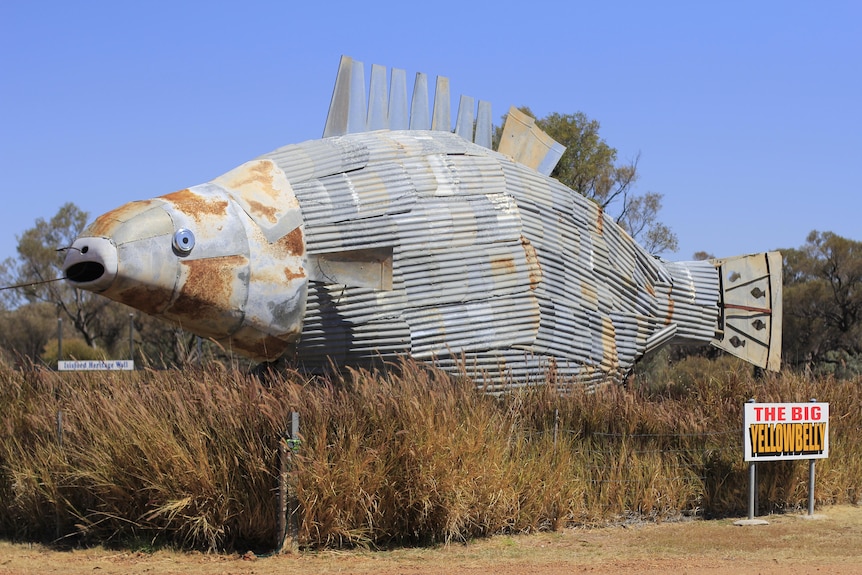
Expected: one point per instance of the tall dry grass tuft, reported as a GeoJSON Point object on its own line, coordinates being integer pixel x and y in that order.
{"type": "Point", "coordinates": [401, 455]}
{"type": "Point", "coordinates": [409, 456]}
{"type": "Point", "coordinates": [181, 457]}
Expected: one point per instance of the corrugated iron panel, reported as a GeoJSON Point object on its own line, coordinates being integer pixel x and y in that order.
{"type": "Point", "coordinates": [471, 326]}
{"type": "Point", "coordinates": [319, 158]}
{"type": "Point", "coordinates": [441, 276]}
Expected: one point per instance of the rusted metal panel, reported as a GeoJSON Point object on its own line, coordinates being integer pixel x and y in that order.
{"type": "Point", "coordinates": [211, 290]}
{"type": "Point", "coordinates": [263, 191]}
{"type": "Point", "coordinates": [241, 279]}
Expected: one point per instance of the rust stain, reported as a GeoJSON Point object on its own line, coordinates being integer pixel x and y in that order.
{"type": "Point", "coordinates": [266, 274]}
{"type": "Point", "coordinates": [106, 224]}
{"type": "Point", "coordinates": [650, 289]}
{"type": "Point", "coordinates": [589, 293]}
{"type": "Point", "coordinates": [669, 317]}
{"type": "Point", "coordinates": [195, 205]}
{"type": "Point", "coordinates": [291, 275]}
{"type": "Point", "coordinates": [258, 174]}
{"type": "Point", "coordinates": [208, 287]}
{"type": "Point", "coordinates": [259, 209]}
{"type": "Point", "coordinates": [148, 299]}
{"type": "Point", "coordinates": [600, 220]}
{"type": "Point", "coordinates": [291, 243]}
{"type": "Point", "coordinates": [532, 263]}
{"type": "Point", "coordinates": [505, 265]}
{"type": "Point", "coordinates": [256, 183]}
{"type": "Point", "coordinates": [268, 347]}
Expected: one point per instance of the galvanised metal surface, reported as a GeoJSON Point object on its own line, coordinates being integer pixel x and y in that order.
{"type": "Point", "coordinates": [367, 245]}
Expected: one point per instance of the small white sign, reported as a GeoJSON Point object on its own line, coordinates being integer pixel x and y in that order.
{"type": "Point", "coordinates": [777, 431]}
{"type": "Point", "coordinates": [97, 365]}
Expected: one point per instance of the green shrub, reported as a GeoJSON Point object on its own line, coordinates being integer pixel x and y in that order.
{"type": "Point", "coordinates": [73, 349]}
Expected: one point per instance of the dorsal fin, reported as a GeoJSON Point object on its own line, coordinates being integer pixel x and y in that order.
{"type": "Point", "coordinates": [441, 119]}
{"type": "Point", "coordinates": [399, 113]}
{"type": "Point", "coordinates": [464, 123]}
{"type": "Point", "coordinates": [484, 125]}
{"type": "Point", "coordinates": [527, 144]}
{"type": "Point", "coordinates": [420, 119]}
{"type": "Point", "coordinates": [339, 107]}
{"type": "Point", "coordinates": [378, 105]}
{"type": "Point", "coordinates": [389, 110]}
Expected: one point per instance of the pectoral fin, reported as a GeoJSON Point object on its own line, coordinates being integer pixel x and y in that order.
{"type": "Point", "coordinates": [370, 268]}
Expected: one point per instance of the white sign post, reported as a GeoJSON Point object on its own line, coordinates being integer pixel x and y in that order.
{"type": "Point", "coordinates": [781, 431]}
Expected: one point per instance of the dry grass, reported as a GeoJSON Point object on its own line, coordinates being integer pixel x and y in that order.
{"type": "Point", "coordinates": [787, 546]}
{"type": "Point", "coordinates": [411, 455]}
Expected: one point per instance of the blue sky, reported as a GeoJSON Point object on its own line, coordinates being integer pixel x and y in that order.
{"type": "Point", "coordinates": [746, 115]}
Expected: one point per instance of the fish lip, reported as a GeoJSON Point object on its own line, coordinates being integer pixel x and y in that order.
{"type": "Point", "coordinates": [91, 263]}
{"type": "Point", "coordinates": [84, 272]}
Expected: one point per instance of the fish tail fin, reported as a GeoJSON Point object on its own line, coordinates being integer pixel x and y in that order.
{"type": "Point", "coordinates": [750, 308]}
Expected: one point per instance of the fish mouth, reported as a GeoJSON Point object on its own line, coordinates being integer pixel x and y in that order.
{"type": "Point", "coordinates": [85, 272]}
{"type": "Point", "coordinates": [91, 263]}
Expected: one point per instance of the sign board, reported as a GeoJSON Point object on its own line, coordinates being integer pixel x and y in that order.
{"type": "Point", "coordinates": [778, 431]}
{"type": "Point", "coordinates": [97, 365]}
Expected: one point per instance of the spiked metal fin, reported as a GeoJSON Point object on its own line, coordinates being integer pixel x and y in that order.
{"type": "Point", "coordinates": [484, 125]}
{"type": "Point", "coordinates": [347, 109]}
{"type": "Point", "coordinates": [441, 121]}
{"type": "Point", "coordinates": [464, 123]}
{"type": "Point", "coordinates": [378, 106]}
{"type": "Point", "coordinates": [348, 112]}
{"type": "Point", "coordinates": [339, 107]}
{"type": "Point", "coordinates": [399, 115]}
{"type": "Point", "coordinates": [420, 119]}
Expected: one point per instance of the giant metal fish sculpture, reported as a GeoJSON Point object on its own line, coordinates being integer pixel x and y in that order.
{"type": "Point", "coordinates": [394, 235]}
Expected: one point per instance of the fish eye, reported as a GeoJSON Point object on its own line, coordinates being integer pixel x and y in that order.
{"type": "Point", "coordinates": [184, 241]}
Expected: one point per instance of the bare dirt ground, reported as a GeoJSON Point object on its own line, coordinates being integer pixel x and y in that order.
{"type": "Point", "coordinates": [831, 542]}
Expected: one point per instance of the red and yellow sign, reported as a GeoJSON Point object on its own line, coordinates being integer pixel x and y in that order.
{"type": "Point", "coordinates": [776, 431]}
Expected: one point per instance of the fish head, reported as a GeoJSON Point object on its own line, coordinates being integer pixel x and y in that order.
{"type": "Point", "coordinates": [224, 260]}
